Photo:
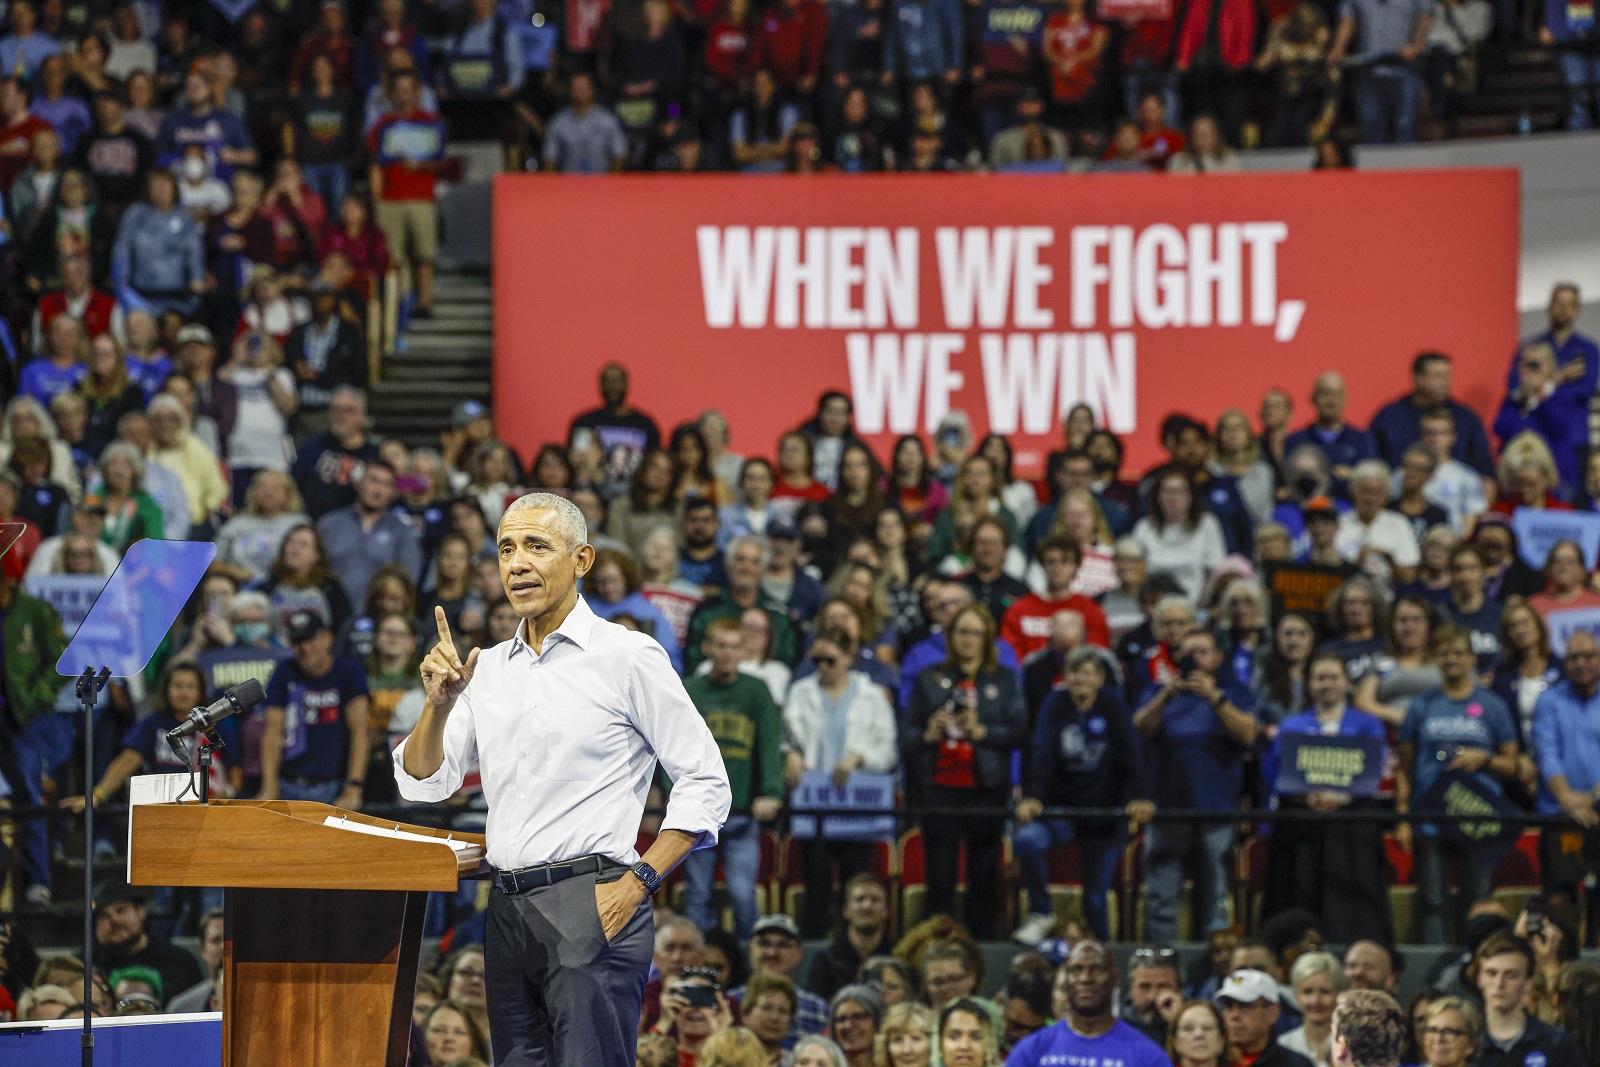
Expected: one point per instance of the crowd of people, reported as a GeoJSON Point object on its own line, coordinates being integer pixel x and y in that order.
{"type": "Point", "coordinates": [1074, 663]}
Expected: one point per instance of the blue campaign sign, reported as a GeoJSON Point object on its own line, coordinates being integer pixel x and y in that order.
{"type": "Point", "coordinates": [1311, 762]}
{"type": "Point", "coordinates": [135, 1041]}
{"type": "Point", "coordinates": [862, 791]}
{"type": "Point", "coordinates": [1538, 529]}
{"type": "Point", "coordinates": [138, 606]}
{"type": "Point", "coordinates": [1563, 624]}
{"type": "Point", "coordinates": [1460, 793]}
{"type": "Point", "coordinates": [411, 141]}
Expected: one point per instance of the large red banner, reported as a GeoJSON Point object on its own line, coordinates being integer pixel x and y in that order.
{"type": "Point", "coordinates": [1012, 298]}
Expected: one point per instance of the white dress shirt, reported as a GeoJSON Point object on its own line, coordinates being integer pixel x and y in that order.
{"type": "Point", "coordinates": [567, 742]}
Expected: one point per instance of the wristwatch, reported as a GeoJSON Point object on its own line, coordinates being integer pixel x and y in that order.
{"type": "Point", "coordinates": [647, 874]}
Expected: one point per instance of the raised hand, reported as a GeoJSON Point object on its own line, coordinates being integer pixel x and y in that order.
{"type": "Point", "coordinates": [444, 675]}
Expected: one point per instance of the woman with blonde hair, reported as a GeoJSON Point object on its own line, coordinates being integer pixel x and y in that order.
{"type": "Point", "coordinates": [78, 556]}
{"type": "Point", "coordinates": [733, 1047]}
{"type": "Point", "coordinates": [1078, 515]}
{"type": "Point", "coordinates": [976, 493]}
{"type": "Point", "coordinates": [1452, 1030]}
{"type": "Point", "coordinates": [26, 417]}
{"type": "Point", "coordinates": [906, 1037]}
{"type": "Point", "coordinates": [865, 587]}
{"type": "Point", "coordinates": [1238, 455]}
{"type": "Point", "coordinates": [1527, 476]}
{"type": "Point", "coordinates": [248, 542]}
{"type": "Point", "coordinates": [108, 391]}
{"type": "Point", "coordinates": [1317, 979]}
{"type": "Point", "coordinates": [174, 446]}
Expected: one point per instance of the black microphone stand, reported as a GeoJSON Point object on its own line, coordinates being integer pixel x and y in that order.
{"type": "Point", "coordinates": [88, 691]}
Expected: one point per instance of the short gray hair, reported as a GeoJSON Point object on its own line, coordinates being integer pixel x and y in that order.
{"type": "Point", "coordinates": [1319, 963]}
{"type": "Point", "coordinates": [1132, 546]}
{"type": "Point", "coordinates": [569, 521]}
{"type": "Point", "coordinates": [862, 994]}
{"type": "Point", "coordinates": [834, 1053]}
{"type": "Point", "coordinates": [250, 599]}
{"type": "Point", "coordinates": [751, 539]}
{"type": "Point", "coordinates": [123, 450]}
{"type": "Point", "coordinates": [1373, 470]}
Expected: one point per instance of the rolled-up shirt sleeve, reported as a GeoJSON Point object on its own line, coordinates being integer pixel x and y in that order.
{"type": "Point", "coordinates": [673, 727]}
{"type": "Point", "coordinates": [460, 752]}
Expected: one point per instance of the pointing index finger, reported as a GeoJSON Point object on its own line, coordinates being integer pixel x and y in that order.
{"type": "Point", "coordinates": [445, 640]}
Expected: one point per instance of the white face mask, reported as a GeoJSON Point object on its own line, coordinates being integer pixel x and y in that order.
{"type": "Point", "coordinates": [194, 168]}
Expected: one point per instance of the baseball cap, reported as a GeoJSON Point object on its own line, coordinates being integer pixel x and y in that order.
{"type": "Point", "coordinates": [784, 528]}
{"type": "Point", "coordinates": [1247, 986]}
{"type": "Point", "coordinates": [1319, 505]}
{"type": "Point", "coordinates": [468, 412]}
{"type": "Point", "coordinates": [775, 923]}
{"type": "Point", "coordinates": [304, 625]}
{"type": "Point", "coordinates": [194, 332]}
{"type": "Point", "coordinates": [115, 891]}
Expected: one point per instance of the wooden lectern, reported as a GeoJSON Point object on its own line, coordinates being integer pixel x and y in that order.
{"type": "Point", "coordinates": [324, 922]}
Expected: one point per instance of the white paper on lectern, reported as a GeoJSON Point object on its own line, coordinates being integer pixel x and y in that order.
{"type": "Point", "coordinates": [395, 832]}
{"type": "Point", "coordinates": [153, 789]}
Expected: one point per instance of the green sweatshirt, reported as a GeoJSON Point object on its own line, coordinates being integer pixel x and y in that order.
{"type": "Point", "coordinates": [749, 731]}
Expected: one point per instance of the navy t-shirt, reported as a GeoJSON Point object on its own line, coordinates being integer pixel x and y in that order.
{"type": "Point", "coordinates": [315, 739]}
{"type": "Point", "coordinates": [711, 571]}
{"type": "Point", "coordinates": [1194, 761]}
{"type": "Point", "coordinates": [1440, 727]}
{"type": "Point", "coordinates": [1484, 626]}
{"type": "Point", "coordinates": [148, 737]}
{"type": "Point", "coordinates": [1058, 1046]}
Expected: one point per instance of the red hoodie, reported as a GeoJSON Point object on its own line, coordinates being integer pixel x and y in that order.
{"type": "Point", "coordinates": [790, 41]}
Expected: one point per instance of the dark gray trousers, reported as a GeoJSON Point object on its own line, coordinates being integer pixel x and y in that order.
{"type": "Point", "coordinates": [559, 994]}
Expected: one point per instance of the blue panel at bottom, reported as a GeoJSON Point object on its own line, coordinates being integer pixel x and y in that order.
{"type": "Point", "coordinates": [150, 1041]}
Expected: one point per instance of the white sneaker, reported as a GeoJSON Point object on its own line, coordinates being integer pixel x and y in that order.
{"type": "Point", "coordinates": [38, 896]}
{"type": "Point", "coordinates": [1034, 929]}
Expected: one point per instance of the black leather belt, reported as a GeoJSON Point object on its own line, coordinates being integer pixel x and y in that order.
{"type": "Point", "coordinates": [524, 878]}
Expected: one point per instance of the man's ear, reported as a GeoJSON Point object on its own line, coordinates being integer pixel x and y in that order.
{"type": "Point", "coordinates": [585, 559]}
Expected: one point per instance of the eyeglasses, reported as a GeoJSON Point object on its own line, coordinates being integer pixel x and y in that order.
{"type": "Point", "coordinates": [475, 976]}
{"type": "Point", "coordinates": [1163, 953]}
{"type": "Point", "coordinates": [1449, 1033]}
{"type": "Point", "coordinates": [851, 1018]}
{"type": "Point", "coordinates": [826, 661]}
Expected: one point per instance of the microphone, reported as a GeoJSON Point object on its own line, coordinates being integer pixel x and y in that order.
{"type": "Point", "coordinates": [245, 695]}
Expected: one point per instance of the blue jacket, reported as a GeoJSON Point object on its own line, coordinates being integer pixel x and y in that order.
{"type": "Point", "coordinates": [1397, 426]}
{"type": "Point", "coordinates": [1566, 741]}
{"type": "Point", "coordinates": [1577, 346]}
{"type": "Point", "coordinates": [1562, 421]}
{"type": "Point", "coordinates": [925, 39]}
{"type": "Point", "coordinates": [157, 251]}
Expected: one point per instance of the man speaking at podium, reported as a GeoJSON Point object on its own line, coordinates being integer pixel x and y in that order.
{"type": "Point", "coordinates": [566, 721]}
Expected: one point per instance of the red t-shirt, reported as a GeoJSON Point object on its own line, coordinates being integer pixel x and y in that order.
{"type": "Point", "coordinates": [16, 148]}
{"type": "Point", "coordinates": [1071, 38]}
{"type": "Point", "coordinates": [401, 182]}
{"type": "Point", "coordinates": [815, 493]}
{"type": "Point", "coordinates": [955, 767]}
{"type": "Point", "coordinates": [1155, 148]}
{"type": "Point", "coordinates": [727, 52]}
{"type": "Point", "coordinates": [1027, 622]}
